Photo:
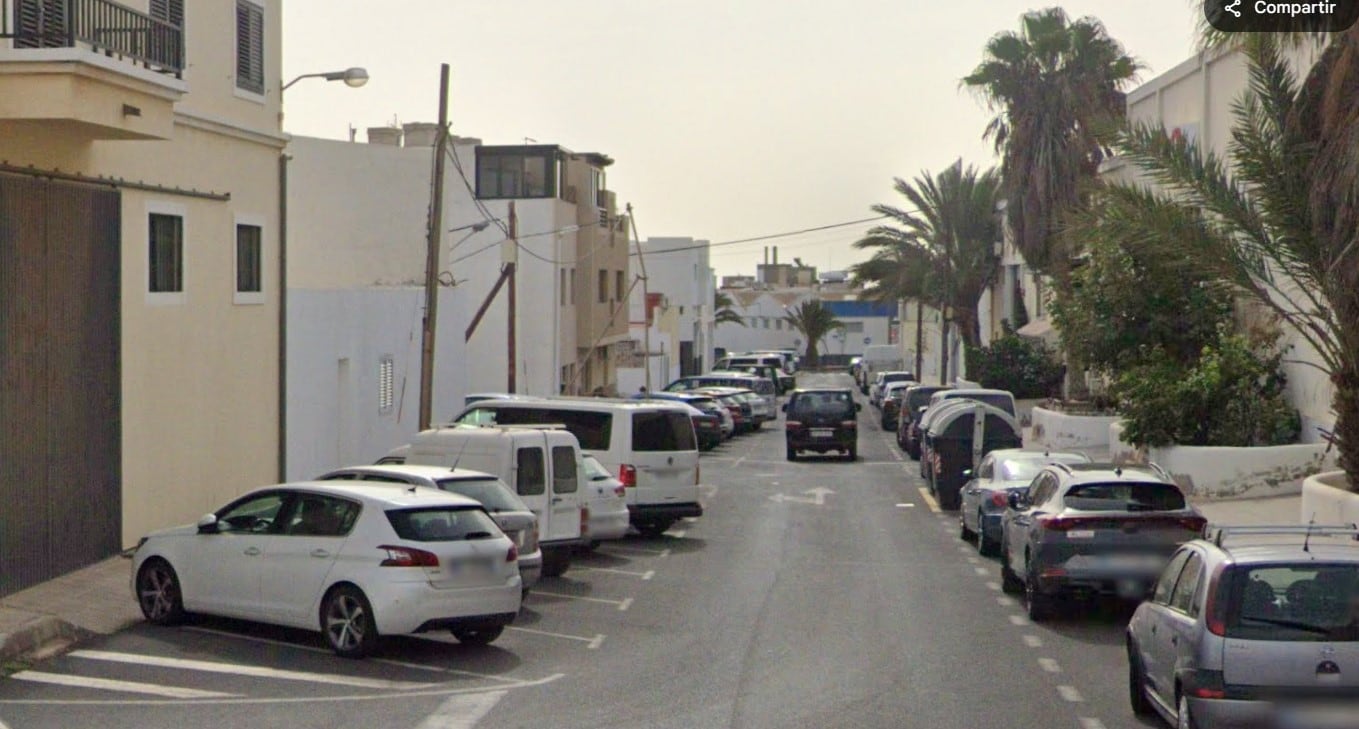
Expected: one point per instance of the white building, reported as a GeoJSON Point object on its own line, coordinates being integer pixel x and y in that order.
{"type": "Point", "coordinates": [682, 285]}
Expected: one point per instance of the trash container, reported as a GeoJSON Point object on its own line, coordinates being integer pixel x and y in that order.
{"type": "Point", "coordinates": [951, 439]}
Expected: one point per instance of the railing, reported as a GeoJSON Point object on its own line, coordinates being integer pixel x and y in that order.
{"type": "Point", "coordinates": [103, 25]}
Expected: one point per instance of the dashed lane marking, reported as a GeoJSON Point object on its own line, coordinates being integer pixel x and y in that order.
{"type": "Point", "coordinates": [462, 712]}
{"type": "Point", "coordinates": [993, 586]}
{"type": "Point", "coordinates": [899, 506]}
{"type": "Point", "coordinates": [105, 684]}
{"type": "Point", "coordinates": [1091, 723]}
{"type": "Point", "coordinates": [591, 643]}
{"type": "Point", "coordinates": [639, 550]}
{"type": "Point", "coordinates": [929, 500]}
{"type": "Point", "coordinates": [609, 570]}
{"type": "Point", "coordinates": [1033, 641]}
{"type": "Point", "coordinates": [1050, 665]}
{"type": "Point", "coordinates": [1019, 621]}
{"type": "Point", "coordinates": [678, 533]}
{"type": "Point", "coordinates": [236, 669]}
{"type": "Point", "coordinates": [981, 571]}
{"type": "Point", "coordinates": [623, 604]}
{"type": "Point", "coordinates": [1069, 694]}
{"type": "Point", "coordinates": [1004, 601]}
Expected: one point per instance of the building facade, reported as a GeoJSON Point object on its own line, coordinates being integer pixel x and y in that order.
{"type": "Point", "coordinates": [139, 270]}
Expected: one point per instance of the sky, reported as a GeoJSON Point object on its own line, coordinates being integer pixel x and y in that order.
{"type": "Point", "coordinates": [727, 119]}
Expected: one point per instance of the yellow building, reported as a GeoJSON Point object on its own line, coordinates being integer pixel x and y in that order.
{"type": "Point", "coordinates": [139, 270]}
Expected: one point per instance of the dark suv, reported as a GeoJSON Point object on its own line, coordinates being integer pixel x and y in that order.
{"type": "Point", "coordinates": [821, 420]}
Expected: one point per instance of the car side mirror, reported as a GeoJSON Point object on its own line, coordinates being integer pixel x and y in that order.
{"type": "Point", "coordinates": [1017, 501]}
{"type": "Point", "coordinates": [784, 407]}
{"type": "Point", "coordinates": [207, 524]}
{"type": "Point", "coordinates": [967, 473]}
{"type": "Point", "coordinates": [858, 407]}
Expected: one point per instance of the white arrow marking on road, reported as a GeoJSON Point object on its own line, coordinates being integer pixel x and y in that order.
{"type": "Point", "coordinates": [817, 497]}
{"type": "Point", "coordinates": [246, 670]}
{"type": "Point", "coordinates": [462, 712]}
{"type": "Point", "coordinates": [105, 684]}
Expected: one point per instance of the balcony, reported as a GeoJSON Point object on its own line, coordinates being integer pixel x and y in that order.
{"type": "Point", "coordinates": [88, 69]}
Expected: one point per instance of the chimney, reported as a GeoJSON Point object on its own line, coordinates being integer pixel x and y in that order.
{"type": "Point", "coordinates": [766, 255]}
{"type": "Point", "coordinates": [386, 136]}
{"type": "Point", "coordinates": [421, 134]}
{"type": "Point", "coordinates": [776, 255]}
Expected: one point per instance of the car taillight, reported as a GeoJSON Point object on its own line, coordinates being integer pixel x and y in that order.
{"type": "Point", "coordinates": [1205, 684]}
{"type": "Point", "coordinates": [1058, 523]}
{"type": "Point", "coordinates": [1000, 499]}
{"type": "Point", "coordinates": [408, 557]}
{"type": "Point", "coordinates": [628, 475]}
{"type": "Point", "coordinates": [850, 424]}
{"type": "Point", "coordinates": [530, 543]}
{"type": "Point", "coordinates": [1215, 611]}
{"type": "Point", "coordinates": [512, 555]}
{"type": "Point", "coordinates": [793, 425]}
{"type": "Point", "coordinates": [584, 521]}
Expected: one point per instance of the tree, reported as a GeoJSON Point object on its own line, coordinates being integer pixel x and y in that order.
{"type": "Point", "coordinates": [723, 313]}
{"type": "Point", "coordinates": [1278, 219]}
{"type": "Point", "coordinates": [815, 321]}
{"type": "Point", "coordinates": [1056, 87]}
{"type": "Point", "coordinates": [943, 250]}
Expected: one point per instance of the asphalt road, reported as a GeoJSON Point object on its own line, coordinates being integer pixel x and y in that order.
{"type": "Point", "coordinates": [811, 594]}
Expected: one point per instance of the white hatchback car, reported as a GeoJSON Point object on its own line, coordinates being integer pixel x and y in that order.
{"type": "Point", "coordinates": [353, 560]}
{"type": "Point", "coordinates": [608, 502]}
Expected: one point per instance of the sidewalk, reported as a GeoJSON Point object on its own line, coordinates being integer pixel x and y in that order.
{"type": "Point", "coordinates": [45, 618]}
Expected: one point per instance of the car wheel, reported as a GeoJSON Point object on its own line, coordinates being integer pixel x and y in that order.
{"type": "Point", "coordinates": [158, 593]}
{"type": "Point", "coordinates": [1009, 581]}
{"type": "Point", "coordinates": [964, 533]}
{"type": "Point", "coordinates": [1137, 685]}
{"type": "Point", "coordinates": [477, 636]}
{"type": "Point", "coordinates": [1184, 717]}
{"type": "Point", "coordinates": [556, 562]}
{"type": "Point", "coordinates": [792, 453]}
{"type": "Point", "coordinates": [347, 622]}
{"type": "Point", "coordinates": [985, 547]}
{"type": "Point", "coordinates": [1039, 605]}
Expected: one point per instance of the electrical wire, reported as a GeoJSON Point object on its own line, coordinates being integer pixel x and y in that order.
{"type": "Point", "coordinates": [771, 236]}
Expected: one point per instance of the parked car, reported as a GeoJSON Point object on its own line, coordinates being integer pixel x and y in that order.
{"type": "Point", "coordinates": [986, 495]}
{"type": "Point", "coordinates": [352, 560]}
{"type": "Point", "coordinates": [855, 363]}
{"type": "Point", "coordinates": [511, 514]}
{"type": "Point", "coordinates": [651, 447]}
{"type": "Point", "coordinates": [763, 365]}
{"type": "Point", "coordinates": [740, 411]}
{"type": "Point", "coordinates": [822, 420]}
{"type": "Point", "coordinates": [707, 416]}
{"type": "Point", "coordinates": [912, 407]}
{"type": "Point", "coordinates": [893, 394]}
{"type": "Point", "coordinates": [1088, 529]}
{"type": "Point", "coordinates": [1252, 627]}
{"type": "Point", "coordinates": [762, 386]}
{"type": "Point", "coordinates": [607, 500]}
{"type": "Point", "coordinates": [879, 390]}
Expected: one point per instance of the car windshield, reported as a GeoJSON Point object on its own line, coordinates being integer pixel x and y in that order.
{"type": "Point", "coordinates": [1024, 469]}
{"type": "Point", "coordinates": [1124, 496]}
{"type": "Point", "coordinates": [492, 493]}
{"type": "Point", "coordinates": [1309, 601]}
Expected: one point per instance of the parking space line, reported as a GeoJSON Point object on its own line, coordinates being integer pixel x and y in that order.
{"type": "Point", "coordinates": [253, 639]}
{"type": "Point", "coordinates": [1004, 601]}
{"type": "Point", "coordinates": [1050, 665]}
{"type": "Point", "coordinates": [981, 571]}
{"type": "Point", "coordinates": [1033, 641]}
{"type": "Point", "coordinates": [106, 684]}
{"type": "Point", "coordinates": [640, 550]}
{"type": "Point", "coordinates": [442, 669]}
{"type": "Point", "coordinates": [929, 500]}
{"type": "Point", "coordinates": [678, 533]}
{"type": "Point", "coordinates": [993, 586]}
{"type": "Point", "coordinates": [1069, 694]}
{"type": "Point", "coordinates": [623, 604]}
{"type": "Point", "coordinates": [630, 573]}
{"type": "Point", "coordinates": [591, 643]}
{"type": "Point", "coordinates": [1019, 621]}
{"type": "Point", "coordinates": [462, 712]}
{"type": "Point", "coordinates": [1090, 723]}
{"type": "Point", "coordinates": [973, 560]}
{"type": "Point", "coordinates": [237, 669]}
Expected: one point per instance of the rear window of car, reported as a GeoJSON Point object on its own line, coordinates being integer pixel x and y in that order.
{"type": "Point", "coordinates": [442, 524]}
{"type": "Point", "coordinates": [1003, 402]}
{"type": "Point", "coordinates": [704, 403]}
{"type": "Point", "coordinates": [594, 470]}
{"type": "Point", "coordinates": [1295, 602]}
{"type": "Point", "coordinates": [1124, 496]}
{"type": "Point", "coordinates": [489, 492]}
{"type": "Point", "coordinates": [662, 431]}
{"type": "Point", "coordinates": [592, 428]}
{"type": "Point", "coordinates": [822, 403]}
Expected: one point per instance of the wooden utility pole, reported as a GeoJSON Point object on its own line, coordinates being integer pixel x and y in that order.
{"type": "Point", "coordinates": [436, 224]}
{"type": "Point", "coordinates": [919, 340]}
{"type": "Point", "coordinates": [510, 279]}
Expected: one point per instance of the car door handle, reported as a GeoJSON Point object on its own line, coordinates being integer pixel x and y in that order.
{"type": "Point", "coordinates": [320, 553]}
{"type": "Point", "coordinates": [557, 499]}
{"type": "Point", "coordinates": [252, 551]}
{"type": "Point", "coordinates": [1153, 630]}
{"type": "Point", "coordinates": [1175, 640]}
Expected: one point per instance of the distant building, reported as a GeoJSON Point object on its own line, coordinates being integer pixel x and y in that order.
{"type": "Point", "coordinates": [681, 286]}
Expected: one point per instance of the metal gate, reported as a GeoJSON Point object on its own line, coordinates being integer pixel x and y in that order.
{"type": "Point", "coordinates": [60, 387]}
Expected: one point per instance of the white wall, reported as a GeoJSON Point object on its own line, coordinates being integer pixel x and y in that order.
{"type": "Point", "coordinates": [680, 269]}
{"type": "Point", "coordinates": [755, 335]}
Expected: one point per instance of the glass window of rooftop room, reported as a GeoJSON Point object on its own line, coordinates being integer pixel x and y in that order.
{"type": "Point", "coordinates": [516, 175]}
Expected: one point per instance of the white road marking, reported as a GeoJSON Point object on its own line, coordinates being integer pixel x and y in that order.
{"type": "Point", "coordinates": [993, 586]}
{"type": "Point", "coordinates": [1019, 621]}
{"type": "Point", "coordinates": [1070, 694]}
{"type": "Point", "coordinates": [639, 550]}
{"type": "Point", "coordinates": [623, 604]}
{"type": "Point", "coordinates": [462, 712]}
{"type": "Point", "coordinates": [105, 684]}
{"type": "Point", "coordinates": [3, 725]}
{"type": "Point", "coordinates": [237, 669]}
{"type": "Point", "coordinates": [929, 500]}
{"type": "Point", "coordinates": [981, 571]}
{"type": "Point", "coordinates": [906, 506]}
{"type": "Point", "coordinates": [1004, 601]}
{"type": "Point", "coordinates": [965, 549]}
{"type": "Point", "coordinates": [441, 669]}
{"type": "Point", "coordinates": [630, 573]}
{"type": "Point", "coordinates": [973, 560]}
{"type": "Point", "coordinates": [678, 533]}
{"type": "Point", "coordinates": [1050, 665]}
{"type": "Point", "coordinates": [591, 643]}
{"type": "Point", "coordinates": [1090, 723]}
{"type": "Point", "coordinates": [1033, 641]}
{"type": "Point", "coordinates": [816, 497]}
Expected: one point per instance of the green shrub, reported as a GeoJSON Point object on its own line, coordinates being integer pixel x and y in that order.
{"type": "Point", "coordinates": [1025, 367]}
{"type": "Point", "coordinates": [1233, 396]}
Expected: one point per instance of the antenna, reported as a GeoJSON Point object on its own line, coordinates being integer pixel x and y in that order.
{"type": "Point", "coordinates": [458, 458]}
{"type": "Point", "coordinates": [1307, 541]}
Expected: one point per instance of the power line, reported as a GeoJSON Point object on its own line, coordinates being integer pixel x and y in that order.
{"type": "Point", "coordinates": [771, 236]}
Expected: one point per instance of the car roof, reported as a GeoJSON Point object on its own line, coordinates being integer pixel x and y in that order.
{"type": "Point", "coordinates": [434, 473]}
{"type": "Point", "coordinates": [802, 390]}
{"type": "Point", "coordinates": [379, 494]}
{"type": "Point", "coordinates": [965, 391]}
{"type": "Point", "coordinates": [580, 403]}
{"type": "Point", "coordinates": [1078, 473]}
{"type": "Point", "coordinates": [1001, 454]}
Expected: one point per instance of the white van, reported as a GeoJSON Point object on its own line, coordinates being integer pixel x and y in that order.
{"type": "Point", "coordinates": [543, 466]}
{"type": "Point", "coordinates": [649, 445]}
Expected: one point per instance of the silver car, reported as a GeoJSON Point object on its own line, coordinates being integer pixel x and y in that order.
{"type": "Point", "coordinates": [1252, 627]}
{"type": "Point", "coordinates": [986, 496]}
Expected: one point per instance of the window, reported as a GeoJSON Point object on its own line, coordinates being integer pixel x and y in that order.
{"type": "Point", "coordinates": [987, 468]}
{"type": "Point", "coordinates": [1312, 601]}
{"type": "Point", "coordinates": [315, 515]}
{"type": "Point", "coordinates": [249, 273]}
{"type": "Point", "coordinates": [529, 479]}
{"type": "Point", "coordinates": [171, 11]}
{"type": "Point", "coordinates": [1186, 587]}
{"type": "Point", "coordinates": [249, 47]}
{"type": "Point", "coordinates": [386, 381]}
{"type": "Point", "coordinates": [618, 285]}
{"type": "Point", "coordinates": [573, 286]}
{"type": "Point", "coordinates": [167, 253]}
{"type": "Point", "coordinates": [662, 431]}
{"type": "Point", "coordinates": [854, 327]}
{"type": "Point", "coordinates": [1161, 596]}
{"type": "Point", "coordinates": [1125, 496]}
{"type": "Point", "coordinates": [563, 470]}
{"type": "Point", "coordinates": [778, 324]}
{"type": "Point", "coordinates": [603, 286]}
{"type": "Point", "coordinates": [257, 514]}
{"type": "Point", "coordinates": [516, 173]}
{"type": "Point", "coordinates": [561, 288]}
{"type": "Point", "coordinates": [442, 524]}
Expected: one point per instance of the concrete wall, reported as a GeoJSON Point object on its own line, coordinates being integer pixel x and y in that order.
{"type": "Point", "coordinates": [1327, 500]}
{"type": "Point", "coordinates": [1060, 431]}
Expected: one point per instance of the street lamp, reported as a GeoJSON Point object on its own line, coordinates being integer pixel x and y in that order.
{"type": "Point", "coordinates": [352, 77]}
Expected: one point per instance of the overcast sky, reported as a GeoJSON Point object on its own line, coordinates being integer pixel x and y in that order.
{"type": "Point", "coordinates": [726, 119]}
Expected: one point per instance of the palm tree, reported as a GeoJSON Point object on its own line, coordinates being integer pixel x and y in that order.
{"type": "Point", "coordinates": [814, 321]}
{"type": "Point", "coordinates": [1056, 87]}
{"type": "Point", "coordinates": [943, 251]}
{"type": "Point", "coordinates": [723, 311]}
{"type": "Point", "coordinates": [1279, 217]}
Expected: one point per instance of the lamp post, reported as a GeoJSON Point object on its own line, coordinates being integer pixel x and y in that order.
{"type": "Point", "coordinates": [352, 77]}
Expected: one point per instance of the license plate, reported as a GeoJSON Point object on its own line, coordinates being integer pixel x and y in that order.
{"type": "Point", "coordinates": [1081, 534]}
{"type": "Point", "coordinates": [822, 432]}
{"type": "Point", "coordinates": [472, 568]}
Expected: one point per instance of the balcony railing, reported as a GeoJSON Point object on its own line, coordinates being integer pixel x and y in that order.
{"type": "Point", "coordinates": [102, 25]}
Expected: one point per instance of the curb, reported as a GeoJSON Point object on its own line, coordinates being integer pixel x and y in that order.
{"type": "Point", "coordinates": [37, 634]}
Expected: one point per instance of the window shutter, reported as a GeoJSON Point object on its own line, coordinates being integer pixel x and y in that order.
{"type": "Point", "coordinates": [40, 24]}
{"type": "Point", "coordinates": [171, 11]}
{"type": "Point", "coordinates": [249, 47]}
